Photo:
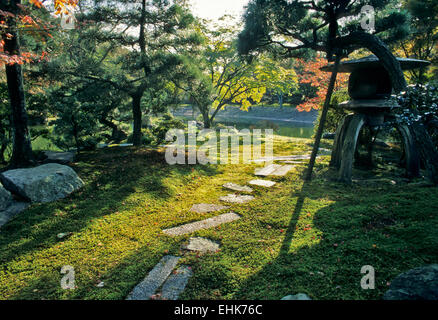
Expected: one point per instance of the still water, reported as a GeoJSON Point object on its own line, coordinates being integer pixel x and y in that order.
{"type": "Point", "coordinates": [281, 128]}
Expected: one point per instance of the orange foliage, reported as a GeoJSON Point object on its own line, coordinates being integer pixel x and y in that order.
{"type": "Point", "coordinates": [27, 21]}
{"type": "Point", "coordinates": [311, 73]}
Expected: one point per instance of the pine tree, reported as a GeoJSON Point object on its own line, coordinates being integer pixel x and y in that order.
{"type": "Point", "coordinates": [145, 34]}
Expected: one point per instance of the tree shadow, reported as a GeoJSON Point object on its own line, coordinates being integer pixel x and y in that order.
{"type": "Point", "coordinates": [364, 231]}
{"type": "Point", "coordinates": [111, 176]}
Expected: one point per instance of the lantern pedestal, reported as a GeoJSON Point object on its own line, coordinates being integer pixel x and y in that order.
{"type": "Point", "coordinates": [372, 113]}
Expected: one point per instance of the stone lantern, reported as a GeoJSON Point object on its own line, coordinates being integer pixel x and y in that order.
{"type": "Point", "coordinates": [370, 90]}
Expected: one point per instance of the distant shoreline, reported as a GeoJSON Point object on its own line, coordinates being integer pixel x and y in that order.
{"type": "Point", "coordinates": [220, 117]}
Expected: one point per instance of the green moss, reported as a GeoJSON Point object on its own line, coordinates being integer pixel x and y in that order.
{"type": "Point", "coordinates": [294, 237]}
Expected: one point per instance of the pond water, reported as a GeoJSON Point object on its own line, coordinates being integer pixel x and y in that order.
{"type": "Point", "coordinates": [294, 129]}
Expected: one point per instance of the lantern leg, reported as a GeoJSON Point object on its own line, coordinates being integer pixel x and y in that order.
{"type": "Point", "coordinates": [336, 155]}
{"type": "Point", "coordinates": [349, 147]}
{"type": "Point", "coordinates": [411, 153]}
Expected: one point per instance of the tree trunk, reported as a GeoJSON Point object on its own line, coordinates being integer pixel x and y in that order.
{"type": "Point", "coordinates": [136, 113]}
{"type": "Point", "coordinates": [318, 137]}
{"type": "Point", "coordinates": [206, 118]}
{"type": "Point", "coordinates": [280, 100]}
{"type": "Point", "coordinates": [22, 151]}
{"type": "Point", "coordinates": [116, 134]}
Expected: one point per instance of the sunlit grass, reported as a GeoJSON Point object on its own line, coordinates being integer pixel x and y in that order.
{"type": "Point", "coordinates": [295, 237]}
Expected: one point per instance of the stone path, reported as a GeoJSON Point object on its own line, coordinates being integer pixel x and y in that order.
{"type": "Point", "coordinates": [172, 285]}
{"type": "Point", "coordinates": [262, 183]}
{"type": "Point", "coordinates": [237, 187]}
{"type": "Point", "coordinates": [321, 152]}
{"type": "Point", "coordinates": [154, 280]}
{"type": "Point", "coordinates": [205, 208]}
{"type": "Point", "coordinates": [274, 170]}
{"type": "Point", "coordinates": [266, 171]}
{"type": "Point", "coordinates": [201, 245]}
{"type": "Point", "coordinates": [204, 224]}
{"type": "Point", "coordinates": [176, 283]}
{"type": "Point", "coordinates": [235, 198]}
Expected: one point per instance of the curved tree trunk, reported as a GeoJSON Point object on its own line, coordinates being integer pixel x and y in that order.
{"type": "Point", "coordinates": [117, 134]}
{"type": "Point", "coordinates": [379, 48]}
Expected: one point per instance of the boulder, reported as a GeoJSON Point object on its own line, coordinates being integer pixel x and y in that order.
{"type": "Point", "coordinates": [45, 183]}
{"type": "Point", "coordinates": [5, 198]}
{"type": "Point", "coordinates": [416, 284]}
{"type": "Point", "coordinates": [11, 211]}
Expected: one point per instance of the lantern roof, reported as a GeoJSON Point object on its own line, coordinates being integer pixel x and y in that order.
{"type": "Point", "coordinates": [372, 62]}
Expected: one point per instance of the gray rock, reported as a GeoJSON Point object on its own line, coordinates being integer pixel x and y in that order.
{"type": "Point", "coordinates": [200, 225]}
{"type": "Point", "coordinates": [274, 170]}
{"type": "Point", "coordinates": [234, 198]}
{"type": "Point", "coordinates": [237, 187]}
{"type": "Point", "coordinates": [63, 235]}
{"type": "Point", "coordinates": [280, 172]}
{"type": "Point", "coordinates": [266, 171]}
{"type": "Point", "coordinates": [205, 208]}
{"type": "Point", "coordinates": [155, 279]}
{"type": "Point", "coordinates": [5, 198]}
{"type": "Point", "coordinates": [262, 183]}
{"type": "Point", "coordinates": [45, 183]}
{"type": "Point", "coordinates": [416, 284]}
{"type": "Point", "coordinates": [176, 283]}
{"type": "Point", "coordinates": [12, 210]}
{"type": "Point", "coordinates": [299, 296]}
{"type": "Point", "coordinates": [59, 157]}
{"type": "Point", "coordinates": [201, 245]}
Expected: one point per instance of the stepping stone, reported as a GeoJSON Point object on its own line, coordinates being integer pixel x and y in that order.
{"type": "Point", "coordinates": [200, 225]}
{"type": "Point", "coordinates": [280, 172]}
{"type": "Point", "coordinates": [292, 162]}
{"type": "Point", "coordinates": [266, 171]}
{"type": "Point", "coordinates": [176, 283]}
{"type": "Point", "coordinates": [154, 280]}
{"type": "Point", "coordinates": [204, 208]}
{"type": "Point", "coordinates": [234, 198]}
{"type": "Point", "coordinates": [300, 157]}
{"type": "Point", "coordinates": [285, 158]}
{"type": "Point", "coordinates": [201, 245]}
{"type": "Point", "coordinates": [236, 187]}
{"type": "Point", "coordinates": [262, 183]}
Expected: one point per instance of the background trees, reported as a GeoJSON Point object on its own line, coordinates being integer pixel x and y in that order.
{"type": "Point", "coordinates": [217, 75]}
{"type": "Point", "coordinates": [145, 33]}
{"type": "Point", "coordinates": [422, 42]}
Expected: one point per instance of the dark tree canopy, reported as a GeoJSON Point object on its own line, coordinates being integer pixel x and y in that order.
{"type": "Point", "coordinates": [293, 27]}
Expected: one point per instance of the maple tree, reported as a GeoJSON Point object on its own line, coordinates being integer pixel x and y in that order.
{"type": "Point", "coordinates": [309, 72]}
{"type": "Point", "coordinates": [27, 21]}
{"type": "Point", "coordinates": [15, 19]}
{"type": "Point", "coordinates": [220, 77]}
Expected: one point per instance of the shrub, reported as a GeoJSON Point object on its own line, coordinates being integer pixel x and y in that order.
{"type": "Point", "coordinates": [420, 103]}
